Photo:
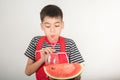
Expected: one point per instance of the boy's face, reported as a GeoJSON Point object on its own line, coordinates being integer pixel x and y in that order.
{"type": "Point", "coordinates": [52, 27]}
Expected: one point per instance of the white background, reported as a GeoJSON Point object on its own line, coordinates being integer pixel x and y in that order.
{"type": "Point", "coordinates": [93, 24]}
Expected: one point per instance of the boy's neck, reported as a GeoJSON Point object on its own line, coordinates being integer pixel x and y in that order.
{"type": "Point", "coordinates": [51, 41]}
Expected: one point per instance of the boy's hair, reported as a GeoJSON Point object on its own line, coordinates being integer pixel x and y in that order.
{"type": "Point", "coordinates": [51, 11]}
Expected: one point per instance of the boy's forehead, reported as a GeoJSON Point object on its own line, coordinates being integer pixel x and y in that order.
{"type": "Point", "coordinates": [48, 19]}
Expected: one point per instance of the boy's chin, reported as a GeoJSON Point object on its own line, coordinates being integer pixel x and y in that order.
{"type": "Point", "coordinates": [53, 39]}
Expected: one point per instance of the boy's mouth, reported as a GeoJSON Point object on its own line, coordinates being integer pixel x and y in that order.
{"type": "Point", "coordinates": [52, 36]}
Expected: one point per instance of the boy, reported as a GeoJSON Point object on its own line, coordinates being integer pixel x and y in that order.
{"type": "Point", "coordinates": [52, 25]}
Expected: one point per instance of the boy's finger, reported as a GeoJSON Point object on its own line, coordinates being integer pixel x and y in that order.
{"type": "Point", "coordinates": [53, 50]}
{"type": "Point", "coordinates": [48, 50]}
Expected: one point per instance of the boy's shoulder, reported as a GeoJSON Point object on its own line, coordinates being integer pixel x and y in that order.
{"type": "Point", "coordinates": [36, 38]}
{"type": "Point", "coordinates": [69, 40]}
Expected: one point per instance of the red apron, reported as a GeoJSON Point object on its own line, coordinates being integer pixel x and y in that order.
{"type": "Point", "coordinates": [40, 74]}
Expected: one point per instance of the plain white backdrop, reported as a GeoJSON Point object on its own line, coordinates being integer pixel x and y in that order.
{"type": "Point", "coordinates": [93, 24]}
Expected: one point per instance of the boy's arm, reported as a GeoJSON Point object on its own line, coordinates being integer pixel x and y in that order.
{"type": "Point", "coordinates": [32, 66]}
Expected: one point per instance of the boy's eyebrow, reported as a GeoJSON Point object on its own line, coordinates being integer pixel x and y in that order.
{"type": "Point", "coordinates": [49, 23]}
{"type": "Point", "coordinates": [57, 22]}
{"type": "Point", "coordinates": [46, 23]}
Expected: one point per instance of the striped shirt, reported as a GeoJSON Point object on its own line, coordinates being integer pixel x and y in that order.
{"type": "Point", "coordinates": [71, 48]}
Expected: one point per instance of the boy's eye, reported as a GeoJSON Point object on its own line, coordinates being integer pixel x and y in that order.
{"type": "Point", "coordinates": [47, 26]}
{"type": "Point", "coordinates": [57, 26]}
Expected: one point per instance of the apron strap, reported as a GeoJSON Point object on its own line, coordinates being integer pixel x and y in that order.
{"type": "Point", "coordinates": [38, 47]}
{"type": "Point", "coordinates": [62, 44]}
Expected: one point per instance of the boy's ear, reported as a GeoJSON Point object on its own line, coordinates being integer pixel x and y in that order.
{"type": "Point", "coordinates": [41, 26]}
{"type": "Point", "coordinates": [62, 25]}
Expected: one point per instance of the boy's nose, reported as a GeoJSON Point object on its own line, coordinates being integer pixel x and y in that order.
{"type": "Point", "coordinates": [52, 30]}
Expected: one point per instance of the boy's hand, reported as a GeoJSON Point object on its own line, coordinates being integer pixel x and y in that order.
{"type": "Point", "coordinates": [78, 77]}
{"type": "Point", "coordinates": [45, 52]}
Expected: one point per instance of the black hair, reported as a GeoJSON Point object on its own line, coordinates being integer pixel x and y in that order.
{"type": "Point", "coordinates": [51, 11]}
